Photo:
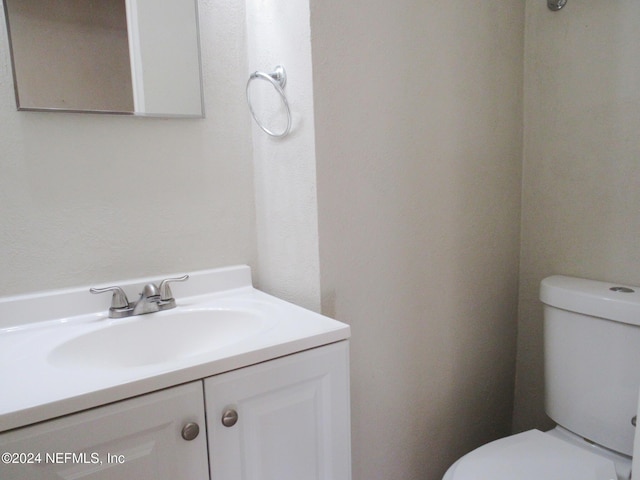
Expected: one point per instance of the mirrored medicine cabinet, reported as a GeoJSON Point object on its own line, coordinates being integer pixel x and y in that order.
{"type": "Point", "coordinates": [135, 57]}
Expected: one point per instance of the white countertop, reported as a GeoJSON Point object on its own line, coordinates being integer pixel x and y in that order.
{"type": "Point", "coordinates": [34, 389]}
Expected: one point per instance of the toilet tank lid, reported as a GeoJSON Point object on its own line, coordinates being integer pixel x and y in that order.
{"type": "Point", "coordinates": [533, 455]}
{"type": "Point", "coordinates": [591, 297]}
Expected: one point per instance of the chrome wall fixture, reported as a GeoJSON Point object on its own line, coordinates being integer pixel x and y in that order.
{"type": "Point", "coordinates": [278, 78]}
{"type": "Point", "coordinates": [555, 5]}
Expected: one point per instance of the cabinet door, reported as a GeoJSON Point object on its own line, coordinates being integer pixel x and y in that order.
{"type": "Point", "coordinates": [292, 418]}
{"type": "Point", "coordinates": [136, 439]}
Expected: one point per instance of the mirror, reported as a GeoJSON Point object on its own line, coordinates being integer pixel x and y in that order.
{"type": "Point", "coordinates": [136, 57]}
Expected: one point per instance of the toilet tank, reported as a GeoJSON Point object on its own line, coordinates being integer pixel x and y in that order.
{"type": "Point", "coordinates": [592, 358]}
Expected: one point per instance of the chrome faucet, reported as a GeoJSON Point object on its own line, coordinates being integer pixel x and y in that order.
{"type": "Point", "coordinates": [148, 302]}
{"type": "Point", "coordinates": [152, 299]}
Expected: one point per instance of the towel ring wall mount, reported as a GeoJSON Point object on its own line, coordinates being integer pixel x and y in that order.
{"type": "Point", "coordinates": [277, 78]}
{"type": "Point", "coordinates": [555, 5]}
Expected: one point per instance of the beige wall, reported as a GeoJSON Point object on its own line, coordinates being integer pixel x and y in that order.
{"type": "Point", "coordinates": [418, 146]}
{"type": "Point", "coordinates": [92, 198]}
{"type": "Point", "coordinates": [284, 167]}
{"type": "Point", "coordinates": [581, 173]}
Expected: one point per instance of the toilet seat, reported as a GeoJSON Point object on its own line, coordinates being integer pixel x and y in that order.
{"type": "Point", "coordinates": [531, 455]}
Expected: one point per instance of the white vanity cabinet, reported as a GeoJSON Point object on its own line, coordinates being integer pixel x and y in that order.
{"type": "Point", "coordinates": [139, 438]}
{"type": "Point", "coordinates": [286, 419]}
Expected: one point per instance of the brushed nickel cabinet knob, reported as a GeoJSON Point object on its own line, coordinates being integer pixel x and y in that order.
{"type": "Point", "coordinates": [190, 431]}
{"type": "Point", "coordinates": [229, 417]}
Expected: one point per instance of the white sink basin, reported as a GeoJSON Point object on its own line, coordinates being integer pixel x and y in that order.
{"type": "Point", "coordinates": [158, 338]}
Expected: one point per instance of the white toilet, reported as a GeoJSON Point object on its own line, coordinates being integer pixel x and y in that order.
{"type": "Point", "coordinates": [592, 375]}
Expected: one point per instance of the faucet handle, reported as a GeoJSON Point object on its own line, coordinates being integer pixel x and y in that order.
{"type": "Point", "coordinates": [119, 298]}
{"type": "Point", "coordinates": [165, 291]}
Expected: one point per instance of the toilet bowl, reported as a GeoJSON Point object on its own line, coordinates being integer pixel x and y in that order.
{"type": "Point", "coordinates": [536, 455]}
{"type": "Point", "coordinates": [592, 350]}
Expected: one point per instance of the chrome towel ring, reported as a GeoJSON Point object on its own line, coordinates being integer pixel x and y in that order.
{"type": "Point", "coordinates": [278, 78]}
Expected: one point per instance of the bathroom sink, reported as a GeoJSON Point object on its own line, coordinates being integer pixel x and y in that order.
{"type": "Point", "coordinates": [158, 338]}
{"type": "Point", "coordinates": [61, 353]}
